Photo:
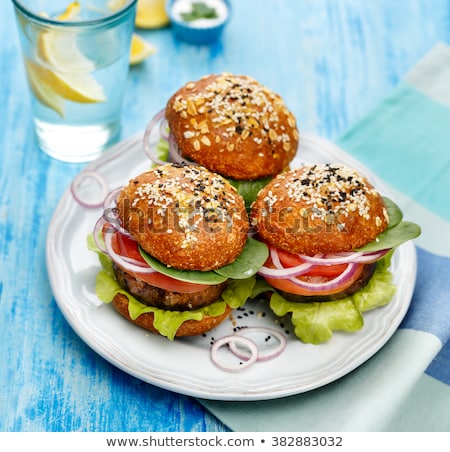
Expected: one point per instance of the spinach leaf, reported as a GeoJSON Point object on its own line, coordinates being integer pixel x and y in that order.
{"type": "Point", "coordinates": [248, 262]}
{"type": "Point", "coordinates": [197, 277]}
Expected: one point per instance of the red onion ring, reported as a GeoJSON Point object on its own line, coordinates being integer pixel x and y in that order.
{"type": "Point", "coordinates": [226, 340]}
{"type": "Point", "coordinates": [348, 273]}
{"type": "Point", "coordinates": [357, 257]}
{"type": "Point", "coordinates": [78, 182]}
{"type": "Point", "coordinates": [163, 129]}
{"type": "Point", "coordinates": [149, 151]}
{"type": "Point", "coordinates": [284, 273]}
{"type": "Point", "coordinates": [263, 354]}
{"type": "Point", "coordinates": [174, 153]}
{"type": "Point", "coordinates": [96, 233]}
{"type": "Point", "coordinates": [111, 198]}
{"type": "Point", "coordinates": [281, 272]}
{"type": "Point", "coordinates": [123, 262]}
{"type": "Point", "coordinates": [275, 258]}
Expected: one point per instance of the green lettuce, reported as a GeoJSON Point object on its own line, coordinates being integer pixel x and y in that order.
{"type": "Point", "coordinates": [168, 322]}
{"type": "Point", "coordinates": [315, 322]}
{"type": "Point", "coordinates": [249, 189]}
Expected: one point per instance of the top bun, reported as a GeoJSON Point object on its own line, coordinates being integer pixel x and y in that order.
{"type": "Point", "coordinates": [185, 216]}
{"type": "Point", "coordinates": [233, 125]}
{"type": "Point", "coordinates": [323, 208]}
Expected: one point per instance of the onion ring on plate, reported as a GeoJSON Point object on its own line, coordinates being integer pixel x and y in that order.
{"type": "Point", "coordinates": [79, 183]}
{"type": "Point", "coordinates": [234, 338]}
{"type": "Point", "coordinates": [263, 354]}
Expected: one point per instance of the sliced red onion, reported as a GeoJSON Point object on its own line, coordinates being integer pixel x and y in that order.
{"type": "Point", "coordinates": [346, 275]}
{"type": "Point", "coordinates": [281, 272]}
{"type": "Point", "coordinates": [174, 154]}
{"type": "Point", "coordinates": [97, 233]}
{"type": "Point", "coordinates": [149, 150]}
{"type": "Point", "coordinates": [234, 339]}
{"type": "Point", "coordinates": [284, 273]}
{"type": "Point", "coordinates": [78, 183]}
{"type": "Point", "coordinates": [111, 198]}
{"type": "Point", "coordinates": [357, 257]}
{"type": "Point", "coordinates": [164, 129]}
{"type": "Point", "coordinates": [125, 263]}
{"type": "Point", "coordinates": [264, 354]}
{"type": "Point", "coordinates": [275, 258]}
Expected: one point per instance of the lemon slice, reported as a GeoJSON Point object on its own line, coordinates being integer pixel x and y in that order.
{"type": "Point", "coordinates": [60, 51]}
{"type": "Point", "coordinates": [67, 68]}
{"type": "Point", "coordinates": [41, 90]}
{"type": "Point", "coordinates": [71, 12]}
{"type": "Point", "coordinates": [140, 49]}
{"type": "Point", "coordinates": [151, 14]}
{"type": "Point", "coordinates": [81, 88]}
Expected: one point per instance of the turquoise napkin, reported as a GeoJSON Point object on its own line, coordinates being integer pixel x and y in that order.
{"type": "Point", "coordinates": [406, 385]}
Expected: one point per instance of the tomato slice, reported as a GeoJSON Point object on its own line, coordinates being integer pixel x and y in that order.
{"type": "Point", "coordinates": [317, 274]}
{"type": "Point", "coordinates": [293, 260]}
{"type": "Point", "coordinates": [127, 247]}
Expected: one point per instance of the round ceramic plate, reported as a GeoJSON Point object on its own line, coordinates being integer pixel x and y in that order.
{"type": "Point", "coordinates": [184, 365]}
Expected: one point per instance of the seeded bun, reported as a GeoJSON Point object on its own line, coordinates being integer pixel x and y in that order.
{"type": "Point", "coordinates": [323, 208]}
{"type": "Point", "coordinates": [184, 216]}
{"type": "Point", "coordinates": [234, 126]}
{"type": "Point", "coordinates": [188, 328]}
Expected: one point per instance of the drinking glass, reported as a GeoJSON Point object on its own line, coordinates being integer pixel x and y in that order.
{"type": "Point", "coordinates": [76, 58]}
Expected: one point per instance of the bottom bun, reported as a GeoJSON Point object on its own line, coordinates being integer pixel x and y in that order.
{"type": "Point", "coordinates": [188, 328]}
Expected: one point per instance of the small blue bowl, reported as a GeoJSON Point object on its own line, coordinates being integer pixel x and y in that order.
{"type": "Point", "coordinates": [194, 32]}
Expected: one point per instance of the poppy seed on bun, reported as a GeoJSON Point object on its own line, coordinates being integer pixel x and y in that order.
{"type": "Point", "coordinates": [322, 208]}
{"type": "Point", "coordinates": [185, 216]}
{"type": "Point", "coordinates": [234, 126]}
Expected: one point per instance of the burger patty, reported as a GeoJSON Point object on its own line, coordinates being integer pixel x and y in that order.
{"type": "Point", "coordinates": [361, 282]}
{"type": "Point", "coordinates": [166, 299]}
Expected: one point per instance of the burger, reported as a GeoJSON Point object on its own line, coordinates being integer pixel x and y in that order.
{"type": "Point", "coordinates": [331, 236]}
{"type": "Point", "coordinates": [232, 125]}
{"type": "Point", "coordinates": [175, 250]}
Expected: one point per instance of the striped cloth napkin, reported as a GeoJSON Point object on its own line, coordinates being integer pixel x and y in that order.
{"type": "Point", "coordinates": [406, 385]}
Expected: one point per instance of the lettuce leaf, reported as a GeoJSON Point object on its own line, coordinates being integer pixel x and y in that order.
{"type": "Point", "coordinates": [168, 322]}
{"type": "Point", "coordinates": [315, 322]}
{"type": "Point", "coordinates": [249, 189]}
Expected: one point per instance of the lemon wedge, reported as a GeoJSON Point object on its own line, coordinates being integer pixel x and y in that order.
{"type": "Point", "coordinates": [70, 69]}
{"type": "Point", "coordinates": [41, 90]}
{"type": "Point", "coordinates": [140, 49]}
{"type": "Point", "coordinates": [71, 12]}
{"type": "Point", "coordinates": [151, 14]}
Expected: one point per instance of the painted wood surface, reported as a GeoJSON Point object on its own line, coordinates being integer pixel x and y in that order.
{"type": "Point", "coordinates": [332, 61]}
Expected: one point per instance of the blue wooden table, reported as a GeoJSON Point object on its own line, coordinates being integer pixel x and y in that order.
{"type": "Point", "coordinates": [331, 60]}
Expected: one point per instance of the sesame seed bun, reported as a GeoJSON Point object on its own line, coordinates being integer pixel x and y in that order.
{"type": "Point", "coordinates": [186, 217]}
{"type": "Point", "coordinates": [234, 126]}
{"type": "Point", "coordinates": [323, 208]}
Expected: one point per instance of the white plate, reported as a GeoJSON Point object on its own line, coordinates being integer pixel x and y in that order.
{"type": "Point", "coordinates": [184, 365]}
